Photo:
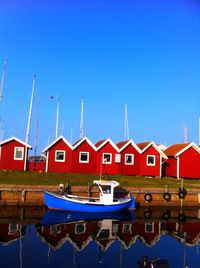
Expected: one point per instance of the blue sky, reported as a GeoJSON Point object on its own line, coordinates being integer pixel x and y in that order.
{"type": "Point", "coordinates": [145, 54]}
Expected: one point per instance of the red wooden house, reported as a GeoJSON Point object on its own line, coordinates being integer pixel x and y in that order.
{"type": "Point", "coordinates": [130, 158]}
{"type": "Point", "coordinates": [108, 157]}
{"type": "Point", "coordinates": [84, 157]}
{"type": "Point", "coordinates": [183, 161]}
{"type": "Point", "coordinates": [151, 159]}
{"type": "Point", "coordinates": [13, 154]}
{"type": "Point", "coordinates": [58, 156]}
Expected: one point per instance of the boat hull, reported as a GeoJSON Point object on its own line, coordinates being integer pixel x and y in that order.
{"type": "Point", "coordinates": [52, 217]}
{"type": "Point", "coordinates": [57, 202]}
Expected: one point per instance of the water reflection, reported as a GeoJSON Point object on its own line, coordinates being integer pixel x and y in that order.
{"type": "Point", "coordinates": [159, 237]}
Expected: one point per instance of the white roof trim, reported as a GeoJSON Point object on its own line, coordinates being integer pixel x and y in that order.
{"type": "Point", "coordinates": [156, 147]}
{"type": "Point", "coordinates": [192, 144]}
{"type": "Point", "coordinates": [59, 138]}
{"type": "Point", "coordinates": [16, 139]}
{"type": "Point", "coordinates": [87, 140]}
{"type": "Point", "coordinates": [106, 141]}
{"type": "Point", "coordinates": [134, 145]}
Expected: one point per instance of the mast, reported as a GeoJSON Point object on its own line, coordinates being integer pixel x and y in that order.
{"type": "Point", "coordinates": [81, 119]}
{"type": "Point", "coordinates": [126, 128]}
{"type": "Point", "coordinates": [30, 111]}
{"type": "Point", "coordinates": [3, 79]}
{"type": "Point", "coordinates": [185, 131]}
{"type": "Point", "coordinates": [57, 115]}
{"type": "Point", "coordinates": [199, 130]}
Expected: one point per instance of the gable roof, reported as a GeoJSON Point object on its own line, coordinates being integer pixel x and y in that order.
{"type": "Point", "coordinates": [145, 145]}
{"type": "Point", "coordinates": [78, 143]}
{"type": "Point", "coordinates": [123, 144]}
{"type": "Point", "coordinates": [16, 139]}
{"type": "Point", "coordinates": [102, 143]}
{"type": "Point", "coordinates": [177, 149]}
{"type": "Point", "coordinates": [55, 141]}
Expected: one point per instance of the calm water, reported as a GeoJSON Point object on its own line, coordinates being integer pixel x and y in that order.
{"type": "Point", "coordinates": [27, 239]}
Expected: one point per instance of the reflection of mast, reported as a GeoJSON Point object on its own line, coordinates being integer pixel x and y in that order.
{"type": "Point", "coordinates": [74, 257]}
{"type": "Point", "coordinates": [20, 247]}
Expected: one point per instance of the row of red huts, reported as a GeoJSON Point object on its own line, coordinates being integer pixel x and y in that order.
{"type": "Point", "coordinates": [104, 157]}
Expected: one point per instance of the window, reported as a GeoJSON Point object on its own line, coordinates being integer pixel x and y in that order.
{"type": "Point", "coordinates": [13, 228]}
{"type": "Point", "coordinates": [126, 228]}
{"type": "Point", "coordinates": [151, 160]}
{"type": "Point", "coordinates": [149, 227]}
{"type": "Point", "coordinates": [19, 153]}
{"type": "Point", "coordinates": [84, 157]}
{"type": "Point", "coordinates": [80, 228]}
{"type": "Point", "coordinates": [129, 159]}
{"type": "Point", "coordinates": [59, 156]}
{"type": "Point", "coordinates": [117, 158]}
{"type": "Point", "coordinates": [107, 158]}
{"type": "Point", "coordinates": [55, 229]}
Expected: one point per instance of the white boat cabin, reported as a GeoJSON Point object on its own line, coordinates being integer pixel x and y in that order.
{"type": "Point", "coordinates": [106, 190]}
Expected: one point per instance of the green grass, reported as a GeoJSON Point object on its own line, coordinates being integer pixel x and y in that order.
{"type": "Point", "coordinates": [34, 178]}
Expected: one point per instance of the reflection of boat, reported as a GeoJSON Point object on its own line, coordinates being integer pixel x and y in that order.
{"type": "Point", "coordinates": [54, 217]}
{"type": "Point", "coordinates": [155, 263]}
{"type": "Point", "coordinates": [105, 203]}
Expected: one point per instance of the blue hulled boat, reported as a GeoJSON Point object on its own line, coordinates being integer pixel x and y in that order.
{"type": "Point", "coordinates": [104, 203]}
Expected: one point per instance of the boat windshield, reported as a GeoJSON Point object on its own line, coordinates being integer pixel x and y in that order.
{"type": "Point", "coordinates": [106, 189]}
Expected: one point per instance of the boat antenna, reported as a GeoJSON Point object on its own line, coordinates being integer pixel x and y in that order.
{"type": "Point", "coordinates": [3, 79]}
{"type": "Point", "coordinates": [126, 128]}
{"type": "Point", "coordinates": [30, 111]}
{"type": "Point", "coordinates": [81, 119]}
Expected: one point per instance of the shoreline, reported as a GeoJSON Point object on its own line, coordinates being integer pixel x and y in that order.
{"type": "Point", "coordinates": [33, 195]}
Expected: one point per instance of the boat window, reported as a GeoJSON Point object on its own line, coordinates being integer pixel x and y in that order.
{"type": "Point", "coordinates": [104, 234]}
{"type": "Point", "coordinates": [106, 189]}
{"type": "Point", "coordinates": [59, 156]}
{"type": "Point", "coordinates": [19, 153]}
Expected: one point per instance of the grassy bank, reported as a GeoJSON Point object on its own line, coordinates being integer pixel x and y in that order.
{"type": "Point", "coordinates": [34, 178]}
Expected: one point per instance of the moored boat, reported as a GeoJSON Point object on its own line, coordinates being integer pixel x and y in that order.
{"type": "Point", "coordinates": [106, 202]}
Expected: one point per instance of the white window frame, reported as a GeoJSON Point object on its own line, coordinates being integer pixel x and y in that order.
{"type": "Point", "coordinates": [132, 162]}
{"type": "Point", "coordinates": [149, 227]}
{"type": "Point", "coordinates": [104, 161]}
{"type": "Point", "coordinates": [60, 160]}
{"type": "Point", "coordinates": [117, 158]}
{"type": "Point", "coordinates": [13, 228]}
{"type": "Point", "coordinates": [55, 229]}
{"type": "Point", "coordinates": [77, 231]}
{"type": "Point", "coordinates": [154, 160]}
{"type": "Point", "coordinates": [126, 228]}
{"type": "Point", "coordinates": [15, 151]}
{"type": "Point", "coordinates": [88, 156]}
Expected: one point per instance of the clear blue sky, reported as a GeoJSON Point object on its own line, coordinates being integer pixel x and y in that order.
{"type": "Point", "coordinates": [145, 54]}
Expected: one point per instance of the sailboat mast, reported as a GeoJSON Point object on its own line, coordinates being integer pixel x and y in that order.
{"type": "Point", "coordinates": [126, 129]}
{"type": "Point", "coordinates": [81, 119]}
{"type": "Point", "coordinates": [30, 111]}
{"type": "Point", "coordinates": [3, 79]}
{"type": "Point", "coordinates": [57, 115]}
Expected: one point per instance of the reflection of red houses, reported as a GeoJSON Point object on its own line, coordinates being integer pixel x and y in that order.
{"type": "Point", "coordinates": [183, 161]}
{"type": "Point", "coordinates": [59, 156]}
{"type": "Point", "coordinates": [151, 159]}
{"type": "Point", "coordinates": [10, 232]}
{"type": "Point", "coordinates": [130, 158]}
{"type": "Point", "coordinates": [108, 157]}
{"type": "Point", "coordinates": [13, 154]}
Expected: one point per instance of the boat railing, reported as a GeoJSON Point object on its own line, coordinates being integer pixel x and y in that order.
{"type": "Point", "coordinates": [81, 197]}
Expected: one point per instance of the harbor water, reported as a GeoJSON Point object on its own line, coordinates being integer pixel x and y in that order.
{"type": "Point", "coordinates": [146, 237]}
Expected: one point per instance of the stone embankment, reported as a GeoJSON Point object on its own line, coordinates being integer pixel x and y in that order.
{"type": "Point", "coordinates": [33, 195]}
